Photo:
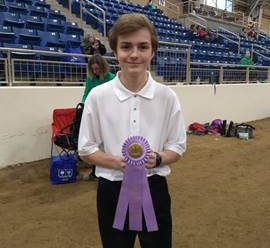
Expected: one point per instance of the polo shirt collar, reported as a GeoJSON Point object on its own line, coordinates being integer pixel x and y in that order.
{"type": "Point", "coordinates": [123, 93]}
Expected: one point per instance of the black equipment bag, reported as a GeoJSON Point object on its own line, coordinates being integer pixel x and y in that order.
{"type": "Point", "coordinates": [244, 128]}
{"type": "Point", "coordinates": [76, 124]}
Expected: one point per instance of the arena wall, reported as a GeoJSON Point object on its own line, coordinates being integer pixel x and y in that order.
{"type": "Point", "coordinates": [26, 112]}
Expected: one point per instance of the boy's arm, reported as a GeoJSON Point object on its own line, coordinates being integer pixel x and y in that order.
{"type": "Point", "coordinates": [176, 138]}
{"type": "Point", "coordinates": [103, 159]}
{"type": "Point", "coordinates": [167, 157]}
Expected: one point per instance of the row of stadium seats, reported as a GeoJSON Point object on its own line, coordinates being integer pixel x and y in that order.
{"type": "Point", "coordinates": [33, 22]}
{"type": "Point", "coordinates": [9, 22]}
{"type": "Point", "coordinates": [37, 37]}
{"type": "Point", "coordinates": [39, 56]}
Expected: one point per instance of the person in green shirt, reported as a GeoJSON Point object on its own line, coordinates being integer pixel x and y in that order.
{"type": "Point", "coordinates": [98, 73]}
{"type": "Point", "coordinates": [247, 60]}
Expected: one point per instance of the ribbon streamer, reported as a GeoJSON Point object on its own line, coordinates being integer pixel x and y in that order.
{"type": "Point", "coordinates": [135, 197]}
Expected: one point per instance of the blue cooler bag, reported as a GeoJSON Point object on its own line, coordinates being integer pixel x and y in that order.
{"type": "Point", "coordinates": [63, 169]}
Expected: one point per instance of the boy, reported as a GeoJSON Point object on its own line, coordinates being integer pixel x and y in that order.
{"type": "Point", "coordinates": [132, 104]}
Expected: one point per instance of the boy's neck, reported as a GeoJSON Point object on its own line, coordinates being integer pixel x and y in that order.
{"type": "Point", "coordinates": [133, 84]}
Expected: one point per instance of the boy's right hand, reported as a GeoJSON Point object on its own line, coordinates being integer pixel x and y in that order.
{"type": "Point", "coordinates": [119, 163]}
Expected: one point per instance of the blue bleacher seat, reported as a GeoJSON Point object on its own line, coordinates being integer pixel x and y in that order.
{"type": "Point", "coordinates": [17, 8]}
{"type": "Point", "coordinates": [29, 2]}
{"type": "Point", "coordinates": [50, 39]}
{"type": "Point", "coordinates": [56, 14]}
{"type": "Point", "coordinates": [75, 7]}
{"type": "Point", "coordinates": [38, 11]}
{"type": "Point", "coordinates": [6, 34]}
{"type": "Point", "coordinates": [72, 28]}
{"type": "Point", "coordinates": [42, 3]}
{"type": "Point", "coordinates": [56, 57]}
{"type": "Point", "coordinates": [11, 19]}
{"type": "Point", "coordinates": [55, 25]}
{"type": "Point", "coordinates": [3, 7]}
{"type": "Point", "coordinates": [20, 46]}
{"type": "Point", "coordinates": [19, 54]}
{"type": "Point", "coordinates": [34, 22]}
{"type": "Point", "coordinates": [71, 39]}
{"type": "Point", "coordinates": [27, 36]}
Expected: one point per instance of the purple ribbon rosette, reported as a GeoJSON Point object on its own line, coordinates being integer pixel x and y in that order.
{"type": "Point", "coordinates": [135, 197]}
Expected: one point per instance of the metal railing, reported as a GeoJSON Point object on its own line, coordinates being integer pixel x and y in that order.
{"type": "Point", "coordinates": [189, 7]}
{"type": "Point", "coordinates": [202, 23]}
{"type": "Point", "coordinates": [259, 54]}
{"type": "Point", "coordinates": [205, 73]}
{"type": "Point", "coordinates": [171, 64]}
{"type": "Point", "coordinates": [263, 35]}
{"type": "Point", "coordinates": [102, 21]}
{"type": "Point", "coordinates": [24, 66]}
{"type": "Point", "coordinates": [83, 9]}
{"type": "Point", "coordinates": [229, 39]}
{"type": "Point", "coordinates": [171, 9]}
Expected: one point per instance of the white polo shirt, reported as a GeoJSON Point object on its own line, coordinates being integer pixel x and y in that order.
{"type": "Point", "coordinates": [112, 113]}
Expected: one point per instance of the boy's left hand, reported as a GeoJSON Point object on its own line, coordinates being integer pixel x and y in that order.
{"type": "Point", "coordinates": [151, 162]}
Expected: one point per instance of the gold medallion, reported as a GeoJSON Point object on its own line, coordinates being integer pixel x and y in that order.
{"type": "Point", "coordinates": [135, 150]}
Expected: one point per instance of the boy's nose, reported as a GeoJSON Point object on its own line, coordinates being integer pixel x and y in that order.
{"type": "Point", "coordinates": [134, 52]}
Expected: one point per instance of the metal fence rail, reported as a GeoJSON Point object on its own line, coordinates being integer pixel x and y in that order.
{"type": "Point", "coordinates": [209, 73]}
{"type": "Point", "coordinates": [170, 65]}
{"type": "Point", "coordinates": [47, 72]}
{"type": "Point", "coordinates": [171, 62]}
{"type": "Point", "coordinates": [3, 71]}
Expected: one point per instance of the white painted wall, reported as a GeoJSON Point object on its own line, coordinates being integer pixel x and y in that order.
{"type": "Point", "coordinates": [26, 113]}
{"type": "Point", "coordinates": [236, 102]}
{"type": "Point", "coordinates": [26, 116]}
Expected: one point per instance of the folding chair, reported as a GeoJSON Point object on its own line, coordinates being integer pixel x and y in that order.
{"type": "Point", "coordinates": [62, 130]}
{"type": "Point", "coordinates": [66, 127]}
{"type": "Point", "coordinates": [64, 165]}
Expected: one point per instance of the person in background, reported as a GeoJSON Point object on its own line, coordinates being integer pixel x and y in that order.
{"type": "Point", "coordinates": [244, 32]}
{"type": "Point", "coordinates": [98, 73]}
{"type": "Point", "coordinates": [202, 33]}
{"type": "Point", "coordinates": [212, 12]}
{"type": "Point", "coordinates": [192, 33]}
{"type": "Point", "coordinates": [151, 6]}
{"type": "Point", "coordinates": [251, 34]}
{"type": "Point", "coordinates": [247, 60]}
{"type": "Point", "coordinates": [91, 45]}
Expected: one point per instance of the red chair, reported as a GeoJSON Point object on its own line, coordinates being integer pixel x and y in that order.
{"type": "Point", "coordinates": [63, 167]}
{"type": "Point", "coordinates": [63, 121]}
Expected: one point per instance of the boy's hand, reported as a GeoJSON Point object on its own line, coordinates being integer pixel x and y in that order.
{"type": "Point", "coordinates": [151, 162]}
{"type": "Point", "coordinates": [119, 163]}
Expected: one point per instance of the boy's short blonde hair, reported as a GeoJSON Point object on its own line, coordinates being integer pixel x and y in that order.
{"type": "Point", "coordinates": [129, 23]}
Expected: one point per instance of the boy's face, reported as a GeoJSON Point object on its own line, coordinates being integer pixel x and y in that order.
{"type": "Point", "coordinates": [134, 52]}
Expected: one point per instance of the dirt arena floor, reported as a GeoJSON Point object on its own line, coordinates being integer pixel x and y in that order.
{"type": "Point", "coordinates": [220, 199]}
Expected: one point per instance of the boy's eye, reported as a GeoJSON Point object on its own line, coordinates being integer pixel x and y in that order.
{"type": "Point", "coordinates": [125, 47]}
{"type": "Point", "coordinates": [129, 47]}
{"type": "Point", "coordinates": [144, 47]}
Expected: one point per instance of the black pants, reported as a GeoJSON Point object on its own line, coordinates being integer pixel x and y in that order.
{"type": "Point", "coordinates": [107, 198]}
